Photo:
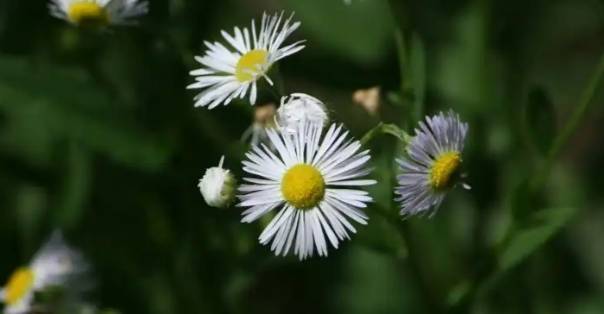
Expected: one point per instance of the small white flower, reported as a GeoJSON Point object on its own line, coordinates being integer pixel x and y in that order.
{"type": "Point", "coordinates": [312, 181]}
{"type": "Point", "coordinates": [55, 264]}
{"type": "Point", "coordinates": [432, 164]}
{"type": "Point", "coordinates": [218, 186]}
{"type": "Point", "coordinates": [226, 74]}
{"type": "Point", "coordinates": [98, 12]}
{"type": "Point", "coordinates": [301, 108]}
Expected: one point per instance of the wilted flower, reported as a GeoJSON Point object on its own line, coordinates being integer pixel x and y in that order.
{"type": "Point", "coordinates": [55, 264]}
{"type": "Point", "coordinates": [264, 118]}
{"type": "Point", "coordinates": [218, 186]}
{"type": "Point", "coordinates": [312, 181]}
{"type": "Point", "coordinates": [301, 108]}
{"type": "Point", "coordinates": [432, 164]}
{"type": "Point", "coordinates": [98, 12]}
{"type": "Point", "coordinates": [227, 75]}
{"type": "Point", "coordinates": [369, 99]}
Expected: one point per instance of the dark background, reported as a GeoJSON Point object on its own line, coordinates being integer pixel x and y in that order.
{"type": "Point", "coordinates": [99, 137]}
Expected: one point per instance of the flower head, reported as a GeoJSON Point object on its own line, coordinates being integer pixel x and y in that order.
{"type": "Point", "coordinates": [432, 164]}
{"type": "Point", "coordinates": [301, 108]}
{"type": "Point", "coordinates": [226, 74]}
{"type": "Point", "coordinates": [218, 186]}
{"type": "Point", "coordinates": [55, 264]}
{"type": "Point", "coordinates": [313, 181]}
{"type": "Point", "coordinates": [98, 12]}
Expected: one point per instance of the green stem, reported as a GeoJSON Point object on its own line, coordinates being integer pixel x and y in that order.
{"type": "Point", "coordinates": [386, 128]}
{"type": "Point", "coordinates": [577, 116]}
{"type": "Point", "coordinates": [580, 111]}
{"type": "Point", "coordinates": [401, 36]}
{"type": "Point", "coordinates": [431, 298]}
{"type": "Point", "coordinates": [427, 294]}
{"type": "Point", "coordinates": [485, 278]}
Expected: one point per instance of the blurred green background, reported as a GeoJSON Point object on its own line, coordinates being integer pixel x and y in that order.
{"type": "Point", "coordinates": [99, 137]}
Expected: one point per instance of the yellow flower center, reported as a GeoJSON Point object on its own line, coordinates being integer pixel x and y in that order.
{"type": "Point", "coordinates": [87, 13]}
{"type": "Point", "coordinates": [443, 169]}
{"type": "Point", "coordinates": [251, 64]}
{"type": "Point", "coordinates": [19, 284]}
{"type": "Point", "coordinates": [303, 186]}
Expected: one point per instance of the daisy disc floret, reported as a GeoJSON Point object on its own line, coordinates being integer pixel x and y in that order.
{"type": "Point", "coordinates": [314, 183]}
{"type": "Point", "coordinates": [432, 165]}
{"type": "Point", "coordinates": [55, 264]}
{"type": "Point", "coordinates": [301, 108]}
{"type": "Point", "coordinates": [98, 13]}
{"type": "Point", "coordinates": [232, 72]}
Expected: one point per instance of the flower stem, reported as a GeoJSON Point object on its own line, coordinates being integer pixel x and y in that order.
{"type": "Point", "coordinates": [577, 116]}
{"type": "Point", "coordinates": [386, 128]}
{"type": "Point", "coordinates": [484, 278]}
{"type": "Point", "coordinates": [428, 295]}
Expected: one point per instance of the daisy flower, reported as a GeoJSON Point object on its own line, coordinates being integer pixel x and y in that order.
{"type": "Point", "coordinates": [217, 186]}
{"type": "Point", "coordinates": [226, 74]}
{"type": "Point", "coordinates": [431, 167]}
{"type": "Point", "coordinates": [98, 12]}
{"type": "Point", "coordinates": [313, 182]}
{"type": "Point", "coordinates": [301, 108]}
{"type": "Point", "coordinates": [54, 265]}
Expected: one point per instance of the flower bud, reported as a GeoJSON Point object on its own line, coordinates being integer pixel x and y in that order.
{"type": "Point", "coordinates": [298, 108]}
{"type": "Point", "coordinates": [217, 186]}
{"type": "Point", "coordinates": [368, 98]}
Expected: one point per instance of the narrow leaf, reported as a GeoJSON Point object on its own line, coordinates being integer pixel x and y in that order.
{"type": "Point", "coordinates": [528, 239]}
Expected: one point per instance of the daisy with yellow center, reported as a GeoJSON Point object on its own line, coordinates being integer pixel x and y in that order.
{"type": "Point", "coordinates": [431, 167]}
{"type": "Point", "coordinates": [313, 182]}
{"type": "Point", "coordinates": [230, 73]}
{"type": "Point", "coordinates": [98, 13]}
{"type": "Point", "coordinates": [53, 265]}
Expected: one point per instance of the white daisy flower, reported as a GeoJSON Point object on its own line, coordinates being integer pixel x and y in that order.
{"type": "Point", "coordinates": [300, 108]}
{"type": "Point", "coordinates": [98, 12]}
{"type": "Point", "coordinates": [218, 186]}
{"type": "Point", "coordinates": [227, 74]}
{"type": "Point", "coordinates": [54, 265]}
{"type": "Point", "coordinates": [432, 164]}
{"type": "Point", "coordinates": [312, 181]}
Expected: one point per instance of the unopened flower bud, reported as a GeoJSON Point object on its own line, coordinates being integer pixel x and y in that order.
{"type": "Point", "coordinates": [217, 186]}
{"type": "Point", "coordinates": [298, 108]}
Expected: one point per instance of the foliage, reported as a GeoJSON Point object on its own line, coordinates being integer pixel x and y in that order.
{"type": "Point", "coordinates": [99, 137]}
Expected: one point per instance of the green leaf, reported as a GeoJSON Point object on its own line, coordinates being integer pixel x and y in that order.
{"type": "Point", "coordinates": [540, 120]}
{"type": "Point", "coordinates": [527, 239]}
{"type": "Point", "coordinates": [361, 31]}
{"type": "Point", "coordinates": [46, 104]}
